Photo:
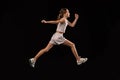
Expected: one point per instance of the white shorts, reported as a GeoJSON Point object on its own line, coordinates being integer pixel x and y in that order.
{"type": "Point", "coordinates": [57, 39]}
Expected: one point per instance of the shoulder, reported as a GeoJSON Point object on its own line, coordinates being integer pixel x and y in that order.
{"type": "Point", "coordinates": [62, 20]}
{"type": "Point", "coordinates": [66, 20]}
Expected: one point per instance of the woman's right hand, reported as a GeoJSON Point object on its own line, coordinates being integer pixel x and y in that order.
{"type": "Point", "coordinates": [43, 21]}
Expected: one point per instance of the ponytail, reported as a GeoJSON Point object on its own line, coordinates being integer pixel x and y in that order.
{"type": "Point", "coordinates": [61, 13]}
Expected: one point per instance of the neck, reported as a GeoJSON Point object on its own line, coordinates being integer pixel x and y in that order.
{"type": "Point", "coordinates": [65, 17]}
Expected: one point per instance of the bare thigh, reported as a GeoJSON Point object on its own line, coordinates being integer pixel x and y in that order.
{"type": "Point", "coordinates": [48, 47]}
{"type": "Point", "coordinates": [68, 43]}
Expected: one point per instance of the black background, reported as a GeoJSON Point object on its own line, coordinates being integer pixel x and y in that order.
{"type": "Point", "coordinates": [96, 36]}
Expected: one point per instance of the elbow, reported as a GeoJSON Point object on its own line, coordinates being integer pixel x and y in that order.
{"type": "Point", "coordinates": [56, 22]}
{"type": "Point", "coordinates": [72, 26]}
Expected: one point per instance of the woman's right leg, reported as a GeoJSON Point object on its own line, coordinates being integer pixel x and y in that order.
{"type": "Point", "coordinates": [41, 52]}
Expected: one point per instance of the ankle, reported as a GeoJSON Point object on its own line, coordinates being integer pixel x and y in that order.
{"type": "Point", "coordinates": [34, 59]}
{"type": "Point", "coordinates": [78, 58]}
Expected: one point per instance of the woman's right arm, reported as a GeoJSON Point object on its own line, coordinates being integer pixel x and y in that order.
{"type": "Point", "coordinates": [53, 21]}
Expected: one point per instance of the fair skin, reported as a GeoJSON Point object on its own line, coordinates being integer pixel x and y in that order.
{"type": "Point", "coordinates": [67, 42]}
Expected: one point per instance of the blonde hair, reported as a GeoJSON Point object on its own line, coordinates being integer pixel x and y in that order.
{"type": "Point", "coordinates": [62, 12]}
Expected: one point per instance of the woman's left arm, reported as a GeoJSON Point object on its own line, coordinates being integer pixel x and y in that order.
{"type": "Point", "coordinates": [74, 22]}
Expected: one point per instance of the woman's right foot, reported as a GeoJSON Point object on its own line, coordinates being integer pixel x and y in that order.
{"type": "Point", "coordinates": [82, 60]}
{"type": "Point", "coordinates": [32, 62]}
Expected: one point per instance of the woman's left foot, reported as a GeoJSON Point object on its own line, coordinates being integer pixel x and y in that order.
{"type": "Point", "coordinates": [82, 60]}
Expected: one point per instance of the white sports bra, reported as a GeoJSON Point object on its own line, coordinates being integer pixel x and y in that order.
{"type": "Point", "coordinates": [61, 27]}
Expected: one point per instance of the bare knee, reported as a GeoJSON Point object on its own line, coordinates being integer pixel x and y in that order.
{"type": "Point", "coordinates": [72, 45]}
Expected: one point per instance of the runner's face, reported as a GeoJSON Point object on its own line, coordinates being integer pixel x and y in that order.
{"type": "Point", "coordinates": [67, 13]}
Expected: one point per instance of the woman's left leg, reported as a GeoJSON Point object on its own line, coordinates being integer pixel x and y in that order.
{"type": "Point", "coordinates": [73, 48]}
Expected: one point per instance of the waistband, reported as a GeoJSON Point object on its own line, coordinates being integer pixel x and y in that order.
{"type": "Point", "coordinates": [59, 32]}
